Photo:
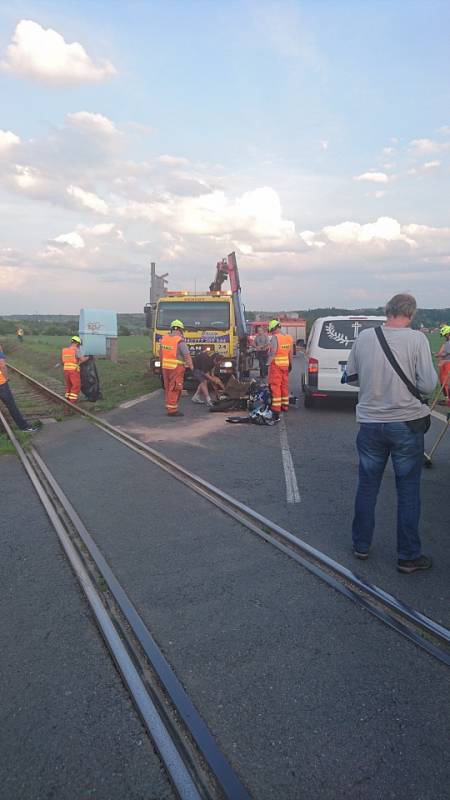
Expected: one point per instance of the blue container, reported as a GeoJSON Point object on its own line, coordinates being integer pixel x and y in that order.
{"type": "Point", "coordinates": [95, 327]}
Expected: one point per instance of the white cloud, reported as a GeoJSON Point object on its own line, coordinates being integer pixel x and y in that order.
{"type": "Point", "coordinates": [256, 213]}
{"type": "Point", "coordinates": [387, 151]}
{"type": "Point", "coordinates": [385, 229]}
{"type": "Point", "coordinates": [8, 140]}
{"type": "Point", "coordinates": [375, 177]}
{"type": "Point", "coordinates": [103, 229]}
{"type": "Point", "coordinates": [73, 239]}
{"type": "Point", "coordinates": [309, 238]}
{"type": "Point", "coordinates": [424, 146]}
{"type": "Point", "coordinates": [26, 177]}
{"type": "Point", "coordinates": [173, 161]}
{"type": "Point", "coordinates": [431, 164]}
{"type": "Point", "coordinates": [92, 123]}
{"type": "Point", "coordinates": [324, 144]}
{"type": "Point", "coordinates": [88, 199]}
{"type": "Point", "coordinates": [44, 55]}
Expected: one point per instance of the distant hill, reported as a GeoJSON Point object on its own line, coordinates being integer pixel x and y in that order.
{"type": "Point", "coordinates": [129, 324]}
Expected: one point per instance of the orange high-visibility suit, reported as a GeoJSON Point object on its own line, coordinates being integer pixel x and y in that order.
{"type": "Point", "coordinates": [444, 378]}
{"type": "Point", "coordinates": [173, 371]}
{"type": "Point", "coordinates": [71, 366]}
{"type": "Point", "coordinates": [279, 372]}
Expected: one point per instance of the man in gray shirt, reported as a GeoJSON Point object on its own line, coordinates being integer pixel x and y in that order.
{"type": "Point", "coordinates": [385, 408]}
{"type": "Point", "coordinates": [262, 346]}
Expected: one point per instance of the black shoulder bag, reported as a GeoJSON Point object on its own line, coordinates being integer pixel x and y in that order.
{"type": "Point", "coordinates": [422, 424]}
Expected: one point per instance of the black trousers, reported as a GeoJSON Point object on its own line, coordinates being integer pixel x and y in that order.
{"type": "Point", "coordinates": [262, 356]}
{"type": "Point", "coordinates": [7, 396]}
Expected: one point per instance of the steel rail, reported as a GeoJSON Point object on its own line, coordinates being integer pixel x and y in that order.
{"type": "Point", "coordinates": [398, 615]}
{"type": "Point", "coordinates": [176, 768]}
{"type": "Point", "coordinates": [219, 766]}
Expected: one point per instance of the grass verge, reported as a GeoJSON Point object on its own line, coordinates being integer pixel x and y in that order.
{"type": "Point", "coordinates": [39, 356]}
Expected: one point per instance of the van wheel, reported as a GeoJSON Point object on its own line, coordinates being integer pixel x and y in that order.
{"type": "Point", "coordinates": [309, 401]}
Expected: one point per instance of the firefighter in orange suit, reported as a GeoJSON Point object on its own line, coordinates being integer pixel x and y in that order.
{"type": "Point", "coordinates": [71, 359]}
{"type": "Point", "coordinates": [175, 357]}
{"type": "Point", "coordinates": [280, 365]}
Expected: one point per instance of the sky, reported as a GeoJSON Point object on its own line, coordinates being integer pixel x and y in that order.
{"type": "Point", "coordinates": [312, 138]}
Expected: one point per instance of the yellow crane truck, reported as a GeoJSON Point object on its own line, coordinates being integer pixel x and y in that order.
{"type": "Point", "coordinates": [213, 321]}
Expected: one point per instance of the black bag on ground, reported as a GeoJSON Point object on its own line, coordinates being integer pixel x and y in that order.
{"type": "Point", "coordinates": [90, 384]}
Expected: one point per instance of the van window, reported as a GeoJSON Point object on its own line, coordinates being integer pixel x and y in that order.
{"type": "Point", "coordinates": [339, 334]}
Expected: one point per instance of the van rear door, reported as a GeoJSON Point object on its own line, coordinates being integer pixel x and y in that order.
{"type": "Point", "coordinates": [334, 344]}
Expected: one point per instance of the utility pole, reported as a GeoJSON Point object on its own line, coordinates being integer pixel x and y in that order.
{"type": "Point", "coordinates": [157, 290]}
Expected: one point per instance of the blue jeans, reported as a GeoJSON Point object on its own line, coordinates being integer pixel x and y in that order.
{"type": "Point", "coordinates": [7, 396]}
{"type": "Point", "coordinates": [377, 441]}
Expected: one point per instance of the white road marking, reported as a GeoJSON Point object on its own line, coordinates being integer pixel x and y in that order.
{"type": "Point", "coordinates": [292, 492]}
{"type": "Point", "coordinates": [134, 402]}
{"type": "Point", "coordinates": [439, 415]}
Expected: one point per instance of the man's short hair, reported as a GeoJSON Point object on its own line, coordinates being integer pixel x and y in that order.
{"type": "Point", "coordinates": [401, 305]}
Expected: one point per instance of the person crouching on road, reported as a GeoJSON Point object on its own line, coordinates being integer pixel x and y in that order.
{"type": "Point", "coordinates": [280, 365]}
{"type": "Point", "coordinates": [393, 421]}
{"type": "Point", "coordinates": [443, 357]}
{"type": "Point", "coordinates": [175, 357]}
{"type": "Point", "coordinates": [204, 366]}
{"type": "Point", "coordinates": [7, 397]}
{"type": "Point", "coordinates": [71, 359]}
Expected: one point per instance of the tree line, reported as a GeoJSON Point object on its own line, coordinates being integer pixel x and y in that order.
{"type": "Point", "coordinates": [129, 324]}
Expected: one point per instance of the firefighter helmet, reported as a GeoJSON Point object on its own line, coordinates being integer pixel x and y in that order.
{"type": "Point", "coordinates": [445, 330]}
{"type": "Point", "coordinates": [76, 339]}
{"type": "Point", "coordinates": [274, 323]}
{"type": "Point", "coordinates": [177, 324]}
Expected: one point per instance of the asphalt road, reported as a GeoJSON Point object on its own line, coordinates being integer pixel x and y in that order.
{"type": "Point", "coordinates": [308, 695]}
{"type": "Point", "coordinates": [246, 461]}
{"type": "Point", "coordinates": [68, 731]}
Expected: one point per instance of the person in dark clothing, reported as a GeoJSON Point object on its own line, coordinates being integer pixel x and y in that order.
{"type": "Point", "coordinates": [262, 347]}
{"type": "Point", "coordinates": [7, 397]}
{"type": "Point", "coordinates": [204, 366]}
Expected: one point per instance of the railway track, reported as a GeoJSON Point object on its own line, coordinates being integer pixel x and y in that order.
{"type": "Point", "coordinates": [33, 402]}
{"type": "Point", "coordinates": [201, 767]}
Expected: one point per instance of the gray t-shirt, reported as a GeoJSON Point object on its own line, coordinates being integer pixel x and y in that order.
{"type": "Point", "coordinates": [446, 355]}
{"type": "Point", "coordinates": [262, 341]}
{"type": "Point", "coordinates": [383, 397]}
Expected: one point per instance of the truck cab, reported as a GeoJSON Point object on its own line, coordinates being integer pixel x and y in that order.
{"type": "Point", "coordinates": [209, 326]}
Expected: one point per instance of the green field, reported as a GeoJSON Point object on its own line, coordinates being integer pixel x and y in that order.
{"type": "Point", "coordinates": [39, 356]}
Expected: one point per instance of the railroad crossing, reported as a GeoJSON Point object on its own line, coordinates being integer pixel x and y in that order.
{"type": "Point", "coordinates": [302, 690]}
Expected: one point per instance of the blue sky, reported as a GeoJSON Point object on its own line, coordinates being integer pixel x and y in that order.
{"type": "Point", "coordinates": [311, 137]}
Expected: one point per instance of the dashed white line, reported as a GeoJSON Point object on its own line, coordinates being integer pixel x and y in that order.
{"type": "Point", "coordinates": [292, 492]}
{"type": "Point", "coordinates": [130, 403]}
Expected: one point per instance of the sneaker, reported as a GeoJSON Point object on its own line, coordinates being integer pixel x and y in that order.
{"type": "Point", "coordinates": [30, 429]}
{"type": "Point", "coordinates": [196, 399]}
{"type": "Point", "coordinates": [359, 554]}
{"type": "Point", "coordinates": [416, 564]}
{"type": "Point", "coordinates": [209, 402]}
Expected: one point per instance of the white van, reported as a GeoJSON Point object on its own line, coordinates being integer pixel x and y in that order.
{"type": "Point", "coordinates": [329, 344]}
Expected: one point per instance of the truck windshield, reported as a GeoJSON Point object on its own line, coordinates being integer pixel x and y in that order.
{"type": "Point", "coordinates": [195, 316]}
{"type": "Point", "coordinates": [339, 334]}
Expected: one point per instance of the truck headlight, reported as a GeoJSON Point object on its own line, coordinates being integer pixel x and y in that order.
{"type": "Point", "coordinates": [157, 363]}
{"type": "Point", "coordinates": [227, 364]}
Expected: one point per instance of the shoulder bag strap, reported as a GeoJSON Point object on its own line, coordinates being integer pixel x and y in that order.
{"type": "Point", "coordinates": [395, 365]}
